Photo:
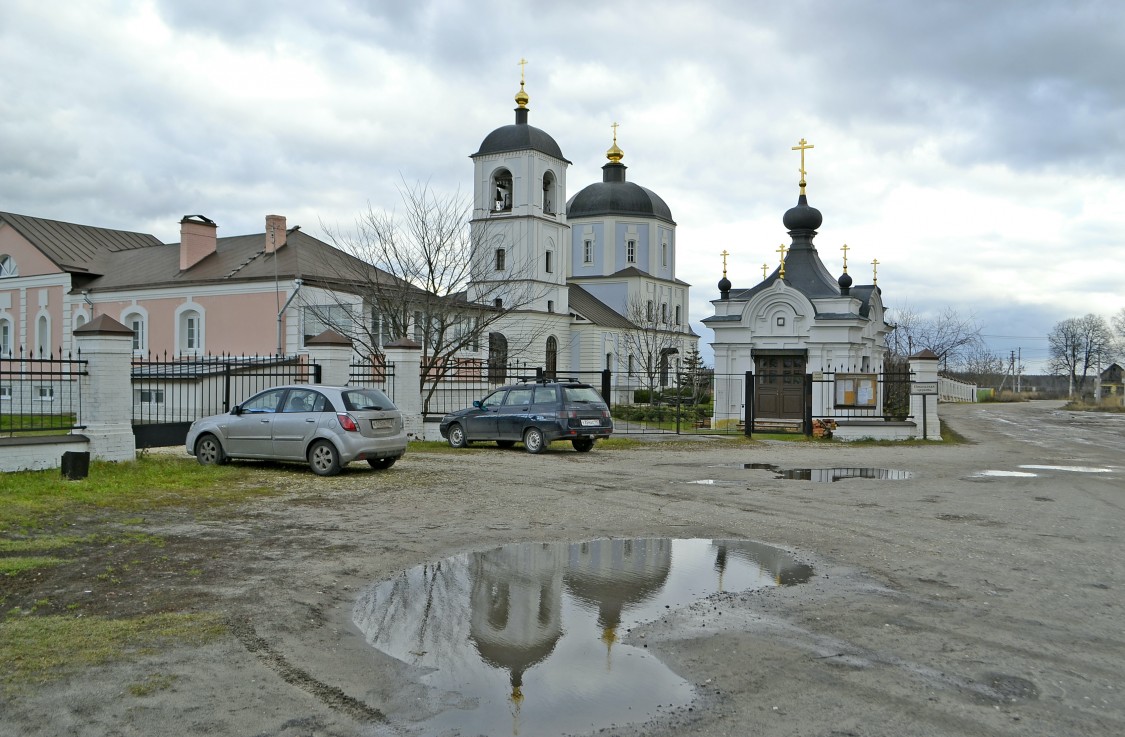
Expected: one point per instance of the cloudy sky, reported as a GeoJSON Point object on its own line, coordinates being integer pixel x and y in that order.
{"type": "Point", "coordinates": [976, 149]}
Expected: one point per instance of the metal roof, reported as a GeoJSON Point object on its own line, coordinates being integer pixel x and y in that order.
{"type": "Point", "coordinates": [73, 247]}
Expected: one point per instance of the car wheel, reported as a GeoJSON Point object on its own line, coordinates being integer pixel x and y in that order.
{"type": "Point", "coordinates": [380, 464]}
{"type": "Point", "coordinates": [209, 451]}
{"type": "Point", "coordinates": [457, 436]}
{"type": "Point", "coordinates": [505, 443]}
{"type": "Point", "coordinates": [583, 445]}
{"type": "Point", "coordinates": [534, 441]}
{"type": "Point", "coordinates": [324, 459]}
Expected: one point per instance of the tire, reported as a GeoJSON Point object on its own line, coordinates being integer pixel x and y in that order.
{"type": "Point", "coordinates": [505, 443]}
{"type": "Point", "coordinates": [534, 441]}
{"type": "Point", "coordinates": [381, 464]}
{"type": "Point", "coordinates": [457, 437]}
{"type": "Point", "coordinates": [324, 459]}
{"type": "Point", "coordinates": [583, 445]}
{"type": "Point", "coordinates": [209, 451]}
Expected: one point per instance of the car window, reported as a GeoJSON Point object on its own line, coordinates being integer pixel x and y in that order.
{"type": "Point", "coordinates": [361, 399]}
{"type": "Point", "coordinates": [264, 402]}
{"type": "Point", "coordinates": [546, 395]}
{"type": "Point", "coordinates": [494, 399]}
{"type": "Point", "coordinates": [304, 400]}
{"type": "Point", "coordinates": [581, 394]}
{"type": "Point", "coordinates": [518, 396]}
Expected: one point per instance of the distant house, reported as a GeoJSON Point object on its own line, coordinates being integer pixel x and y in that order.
{"type": "Point", "coordinates": [202, 295]}
{"type": "Point", "coordinates": [1113, 388]}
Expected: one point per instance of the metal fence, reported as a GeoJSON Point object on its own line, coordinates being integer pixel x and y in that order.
{"type": "Point", "coordinates": [169, 394]}
{"type": "Point", "coordinates": [373, 373]}
{"type": "Point", "coordinates": [40, 394]}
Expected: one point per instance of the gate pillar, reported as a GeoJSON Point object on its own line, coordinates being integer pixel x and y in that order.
{"type": "Point", "coordinates": [107, 388]}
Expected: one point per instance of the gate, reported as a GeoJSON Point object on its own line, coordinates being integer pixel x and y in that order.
{"type": "Point", "coordinates": [170, 394]}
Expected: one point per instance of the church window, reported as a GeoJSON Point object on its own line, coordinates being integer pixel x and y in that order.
{"type": "Point", "coordinates": [630, 364]}
{"type": "Point", "coordinates": [588, 252]}
{"type": "Point", "coordinates": [677, 314]}
{"type": "Point", "coordinates": [664, 312]}
{"type": "Point", "coordinates": [43, 335]}
{"type": "Point", "coordinates": [631, 252]}
{"type": "Point", "coordinates": [136, 322]}
{"type": "Point", "coordinates": [191, 337]}
{"type": "Point", "coordinates": [608, 361]}
{"type": "Point", "coordinates": [549, 262]}
{"type": "Point", "coordinates": [781, 322]}
{"type": "Point", "coordinates": [648, 311]}
{"type": "Point", "coordinates": [550, 305]}
{"type": "Point", "coordinates": [498, 303]}
{"type": "Point", "coordinates": [552, 356]}
{"type": "Point", "coordinates": [548, 194]}
{"type": "Point", "coordinates": [8, 266]}
{"type": "Point", "coordinates": [5, 337]}
{"type": "Point", "coordinates": [502, 191]}
{"type": "Point", "coordinates": [663, 254]}
{"type": "Point", "coordinates": [500, 259]}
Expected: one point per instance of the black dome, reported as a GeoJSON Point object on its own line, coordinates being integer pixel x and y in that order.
{"type": "Point", "coordinates": [802, 216]}
{"type": "Point", "coordinates": [519, 137]}
{"type": "Point", "coordinates": [615, 196]}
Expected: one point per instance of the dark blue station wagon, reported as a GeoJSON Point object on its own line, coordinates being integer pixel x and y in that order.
{"type": "Point", "coordinates": [534, 413]}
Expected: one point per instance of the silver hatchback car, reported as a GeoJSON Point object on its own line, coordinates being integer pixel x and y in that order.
{"type": "Point", "coordinates": [327, 427]}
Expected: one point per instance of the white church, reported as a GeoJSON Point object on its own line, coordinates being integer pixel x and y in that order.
{"type": "Point", "coordinates": [585, 286]}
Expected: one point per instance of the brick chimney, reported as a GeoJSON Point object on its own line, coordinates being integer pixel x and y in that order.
{"type": "Point", "coordinates": [197, 240]}
{"type": "Point", "coordinates": [275, 232]}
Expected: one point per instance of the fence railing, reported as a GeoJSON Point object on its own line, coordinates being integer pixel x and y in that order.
{"type": "Point", "coordinates": [955, 390]}
{"type": "Point", "coordinates": [373, 373]}
{"type": "Point", "coordinates": [40, 393]}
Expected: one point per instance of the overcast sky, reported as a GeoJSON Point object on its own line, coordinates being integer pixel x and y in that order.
{"type": "Point", "coordinates": [976, 149]}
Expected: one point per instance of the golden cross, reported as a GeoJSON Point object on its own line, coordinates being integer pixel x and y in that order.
{"type": "Point", "coordinates": [614, 126]}
{"type": "Point", "coordinates": [845, 249]}
{"type": "Point", "coordinates": [765, 269]}
{"type": "Point", "coordinates": [782, 249]}
{"type": "Point", "coordinates": [724, 254]}
{"type": "Point", "coordinates": [802, 146]}
{"type": "Point", "coordinates": [875, 271]}
{"type": "Point", "coordinates": [522, 63]}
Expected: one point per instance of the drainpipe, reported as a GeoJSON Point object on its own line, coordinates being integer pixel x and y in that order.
{"type": "Point", "coordinates": [296, 288]}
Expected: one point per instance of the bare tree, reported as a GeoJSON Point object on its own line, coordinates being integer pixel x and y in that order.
{"type": "Point", "coordinates": [983, 367]}
{"type": "Point", "coordinates": [426, 255]}
{"type": "Point", "coordinates": [1077, 345]}
{"type": "Point", "coordinates": [949, 335]}
{"type": "Point", "coordinates": [650, 343]}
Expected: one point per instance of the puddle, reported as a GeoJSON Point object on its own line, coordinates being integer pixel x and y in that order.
{"type": "Point", "coordinates": [828, 475]}
{"type": "Point", "coordinates": [1004, 474]}
{"type": "Point", "coordinates": [526, 639]}
{"type": "Point", "coordinates": [709, 482]}
{"type": "Point", "coordinates": [1071, 469]}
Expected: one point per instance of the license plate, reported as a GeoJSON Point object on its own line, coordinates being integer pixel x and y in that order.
{"type": "Point", "coordinates": [382, 424]}
{"type": "Point", "coordinates": [591, 423]}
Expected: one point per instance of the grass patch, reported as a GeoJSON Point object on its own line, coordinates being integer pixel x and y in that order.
{"type": "Point", "coordinates": [13, 566]}
{"type": "Point", "coordinates": [37, 650]}
{"type": "Point", "coordinates": [1084, 407]}
{"type": "Point", "coordinates": [33, 499]}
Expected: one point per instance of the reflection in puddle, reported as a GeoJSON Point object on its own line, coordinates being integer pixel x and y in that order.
{"type": "Point", "coordinates": [1071, 469]}
{"type": "Point", "coordinates": [827, 475]}
{"type": "Point", "coordinates": [524, 639]}
{"type": "Point", "coordinates": [1004, 474]}
{"type": "Point", "coordinates": [710, 482]}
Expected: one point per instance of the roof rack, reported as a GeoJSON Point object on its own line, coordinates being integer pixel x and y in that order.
{"type": "Point", "coordinates": [547, 379]}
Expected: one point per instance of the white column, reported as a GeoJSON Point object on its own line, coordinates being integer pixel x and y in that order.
{"type": "Point", "coordinates": [406, 356]}
{"type": "Point", "coordinates": [924, 370]}
{"type": "Point", "coordinates": [107, 388]}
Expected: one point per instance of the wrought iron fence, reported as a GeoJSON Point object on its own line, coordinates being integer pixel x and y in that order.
{"type": "Point", "coordinates": [374, 373]}
{"type": "Point", "coordinates": [40, 393]}
{"type": "Point", "coordinates": [171, 393]}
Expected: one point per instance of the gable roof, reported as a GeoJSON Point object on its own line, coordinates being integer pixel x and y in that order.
{"type": "Point", "coordinates": [596, 311]}
{"type": "Point", "coordinates": [76, 248]}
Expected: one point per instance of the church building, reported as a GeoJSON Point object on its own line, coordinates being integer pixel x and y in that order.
{"type": "Point", "coordinates": [796, 322]}
{"type": "Point", "coordinates": [583, 287]}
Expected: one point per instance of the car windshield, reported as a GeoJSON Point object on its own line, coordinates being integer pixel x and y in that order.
{"type": "Point", "coordinates": [361, 399]}
{"type": "Point", "coordinates": [581, 394]}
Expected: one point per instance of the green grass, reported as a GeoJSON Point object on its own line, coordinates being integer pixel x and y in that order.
{"type": "Point", "coordinates": [12, 566]}
{"type": "Point", "coordinates": [37, 499]}
{"type": "Point", "coordinates": [37, 650]}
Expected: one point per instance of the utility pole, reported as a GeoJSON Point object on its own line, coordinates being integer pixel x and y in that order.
{"type": "Point", "coordinates": [1019, 369]}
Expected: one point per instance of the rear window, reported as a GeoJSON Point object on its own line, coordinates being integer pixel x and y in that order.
{"type": "Point", "coordinates": [361, 399]}
{"type": "Point", "coordinates": [581, 394]}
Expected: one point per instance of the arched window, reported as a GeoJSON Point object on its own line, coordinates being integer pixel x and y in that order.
{"type": "Point", "coordinates": [137, 321]}
{"type": "Point", "coordinates": [631, 252]}
{"type": "Point", "coordinates": [5, 337]}
{"type": "Point", "coordinates": [648, 311]}
{"type": "Point", "coordinates": [501, 191]}
{"type": "Point", "coordinates": [552, 356]}
{"type": "Point", "coordinates": [664, 312]}
{"type": "Point", "coordinates": [189, 330]}
{"type": "Point", "coordinates": [500, 258]}
{"type": "Point", "coordinates": [497, 358]}
{"type": "Point", "coordinates": [43, 335]}
{"type": "Point", "coordinates": [663, 254]}
{"type": "Point", "coordinates": [8, 266]}
{"type": "Point", "coordinates": [677, 314]}
{"type": "Point", "coordinates": [548, 194]}
{"type": "Point", "coordinates": [549, 261]}
{"type": "Point", "coordinates": [608, 361]}
{"type": "Point", "coordinates": [664, 364]}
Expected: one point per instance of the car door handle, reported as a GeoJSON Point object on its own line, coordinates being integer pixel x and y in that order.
{"type": "Point", "coordinates": [310, 419]}
{"type": "Point", "coordinates": [266, 420]}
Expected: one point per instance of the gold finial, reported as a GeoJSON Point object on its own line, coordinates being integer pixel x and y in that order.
{"type": "Point", "coordinates": [765, 270]}
{"type": "Point", "coordinates": [521, 96]}
{"type": "Point", "coordinates": [724, 254]}
{"type": "Point", "coordinates": [845, 249]}
{"type": "Point", "coordinates": [875, 271]}
{"type": "Point", "coordinates": [782, 250]}
{"type": "Point", "coordinates": [614, 154]}
{"type": "Point", "coordinates": [801, 146]}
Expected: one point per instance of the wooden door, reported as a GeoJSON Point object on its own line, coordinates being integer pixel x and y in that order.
{"type": "Point", "coordinates": [779, 387]}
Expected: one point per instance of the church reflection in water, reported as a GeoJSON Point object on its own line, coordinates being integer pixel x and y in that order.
{"type": "Point", "coordinates": [525, 636]}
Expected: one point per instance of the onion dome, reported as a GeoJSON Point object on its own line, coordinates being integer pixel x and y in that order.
{"type": "Point", "coordinates": [615, 196]}
{"type": "Point", "coordinates": [802, 216]}
{"type": "Point", "coordinates": [724, 286]}
{"type": "Point", "coordinates": [845, 282]}
{"type": "Point", "coordinates": [520, 136]}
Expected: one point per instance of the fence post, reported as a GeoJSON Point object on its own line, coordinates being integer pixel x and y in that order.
{"type": "Point", "coordinates": [107, 388]}
{"type": "Point", "coordinates": [808, 399]}
{"type": "Point", "coordinates": [406, 355]}
{"type": "Point", "coordinates": [606, 387]}
{"type": "Point", "coordinates": [748, 411]}
{"type": "Point", "coordinates": [333, 353]}
{"type": "Point", "coordinates": [924, 367]}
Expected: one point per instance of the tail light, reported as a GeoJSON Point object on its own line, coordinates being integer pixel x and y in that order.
{"type": "Point", "coordinates": [347, 422]}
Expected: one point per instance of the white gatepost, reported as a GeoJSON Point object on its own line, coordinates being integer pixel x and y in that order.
{"type": "Point", "coordinates": [334, 353]}
{"type": "Point", "coordinates": [924, 394]}
{"type": "Point", "coordinates": [107, 389]}
{"type": "Point", "coordinates": [406, 357]}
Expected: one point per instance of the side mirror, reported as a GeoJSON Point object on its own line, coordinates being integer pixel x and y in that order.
{"type": "Point", "coordinates": [476, 403]}
{"type": "Point", "coordinates": [237, 409]}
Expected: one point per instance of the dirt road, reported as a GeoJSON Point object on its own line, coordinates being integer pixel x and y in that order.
{"type": "Point", "coordinates": [983, 596]}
